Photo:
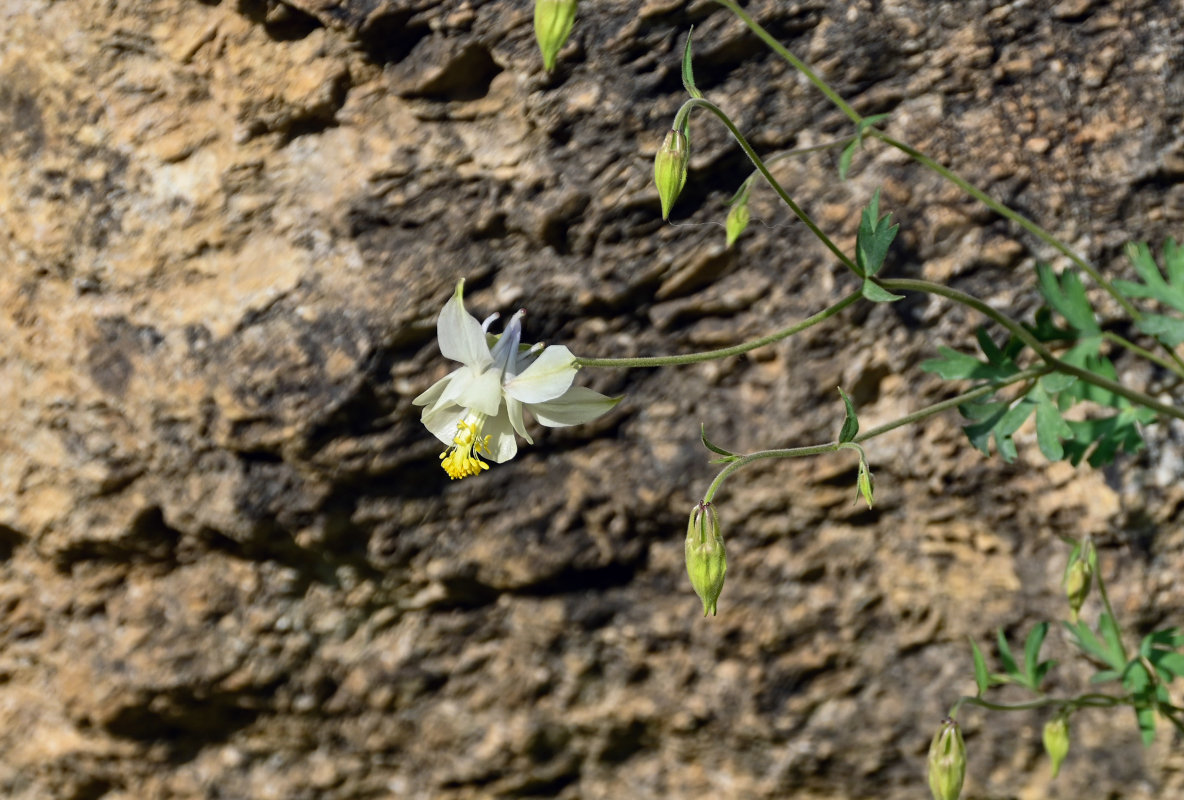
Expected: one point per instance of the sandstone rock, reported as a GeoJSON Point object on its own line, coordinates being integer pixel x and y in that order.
{"type": "Point", "coordinates": [229, 565]}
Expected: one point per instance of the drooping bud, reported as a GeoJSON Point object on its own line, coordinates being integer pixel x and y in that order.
{"type": "Point", "coordinates": [1056, 741]}
{"type": "Point", "coordinates": [1079, 577]}
{"type": "Point", "coordinates": [670, 169]}
{"type": "Point", "coordinates": [706, 561]}
{"type": "Point", "coordinates": [552, 25]}
{"type": "Point", "coordinates": [947, 761]}
{"type": "Point", "coordinates": [737, 221]}
{"type": "Point", "coordinates": [864, 482]}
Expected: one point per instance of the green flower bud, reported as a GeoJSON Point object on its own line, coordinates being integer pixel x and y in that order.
{"type": "Point", "coordinates": [706, 560]}
{"type": "Point", "coordinates": [864, 483]}
{"type": "Point", "coordinates": [1056, 741]}
{"type": "Point", "coordinates": [670, 169]}
{"type": "Point", "coordinates": [1079, 578]}
{"type": "Point", "coordinates": [552, 25]}
{"type": "Point", "coordinates": [737, 221]}
{"type": "Point", "coordinates": [947, 761]}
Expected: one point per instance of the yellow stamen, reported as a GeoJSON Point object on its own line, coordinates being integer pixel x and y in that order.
{"type": "Point", "coordinates": [461, 459]}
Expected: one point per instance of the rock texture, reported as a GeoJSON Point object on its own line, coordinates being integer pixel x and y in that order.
{"type": "Point", "coordinates": [229, 565]}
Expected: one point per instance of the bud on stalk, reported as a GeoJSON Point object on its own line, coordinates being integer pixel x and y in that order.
{"type": "Point", "coordinates": [670, 169]}
{"type": "Point", "coordinates": [947, 761]}
{"type": "Point", "coordinates": [1056, 741]}
{"type": "Point", "coordinates": [706, 560]}
{"type": "Point", "coordinates": [552, 25]}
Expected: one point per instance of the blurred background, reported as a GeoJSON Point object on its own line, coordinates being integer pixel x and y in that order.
{"type": "Point", "coordinates": [230, 565]}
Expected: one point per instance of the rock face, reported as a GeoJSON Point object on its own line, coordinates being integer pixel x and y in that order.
{"type": "Point", "coordinates": [229, 565]}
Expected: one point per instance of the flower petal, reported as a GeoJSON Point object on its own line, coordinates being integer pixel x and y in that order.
{"type": "Point", "coordinates": [459, 333]}
{"type": "Point", "coordinates": [432, 393]}
{"type": "Point", "coordinates": [546, 379]}
{"type": "Point", "coordinates": [514, 410]}
{"type": "Point", "coordinates": [502, 445]}
{"type": "Point", "coordinates": [480, 391]}
{"type": "Point", "coordinates": [576, 406]}
{"type": "Point", "coordinates": [441, 420]}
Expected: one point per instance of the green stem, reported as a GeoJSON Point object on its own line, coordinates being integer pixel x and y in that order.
{"type": "Point", "coordinates": [788, 154]}
{"type": "Point", "coordinates": [1092, 700]}
{"type": "Point", "coordinates": [953, 402]}
{"type": "Point", "coordinates": [1016, 217]}
{"type": "Point", "coordinates": [679, 123]}
{"type": "Point", "coordinates": [831, 447]}
{"type": "Point", "coordinates": [1144, 353]}
{"type": "Point", "coordinates": [797, 64]}
{"type": "Point", "coordinates": [963, 184]}
{"type": "Point", "coordinates": [1021, 333]}
{"type": "Point", "coordinates": [1110, 610]}
{"type": "Point", "coordinates": [724, 352]}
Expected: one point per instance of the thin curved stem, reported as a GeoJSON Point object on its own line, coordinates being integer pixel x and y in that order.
{"type": "Point", "coordinates": [1090, 700]}
{"type": "Point", "coordinates": [1110, 610]}
{"type": "Point", "coordinates": [1021, 333]}
{"type": "Point", "coordinates": [793, 60]}
{"type": "Point", "coordinates": [724, 352]}
{"type": "Point", "coordinates": [963, 184]}
{"type": "Point", "coordinates": [698, 102]}
{"type": "Point", "coordinates": [830, 447]}
{"type": "Point", "coordinates": [1010, 214]}
{"type": "Point", "coordinates": [1127, 344]}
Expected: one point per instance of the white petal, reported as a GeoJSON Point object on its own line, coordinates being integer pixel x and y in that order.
{"type": "Point", "coordinates": [442, 419]}
{"type": "Point", "coordinates": [547, 378]}
{"type": "Point", "coordinates": [502, 445]}
{"type": "Point", "coordinates": [576, 406]}
{"type": "Point", "coordinates": [459, 333]}
{"type": "Point", "coordinates": [514, 410]}
{"type": "Point", "coordinates": [480, 391]}
{"type": "Point", "coordinates": [433, 392]}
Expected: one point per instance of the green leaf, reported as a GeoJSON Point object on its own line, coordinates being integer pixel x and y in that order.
{"type": "Point", "coordinates": [688, 76]}
{"type": "Point", "coordinates": [1168, 637]}
{"type": "Point", "coordinates": [1104, 675]}
{"type": "Point", "coordinates": [953, 365]}
{"type": "Point", "coordinates": [1146, 719]}
{"type": "Point", "coordinates": [871, 244]}
{"type": "Point", "coordinates": [1005, 655]}
{"type": "Point", "coordinates": [728, 455]}
{"type": "Point", "coordinates": [856, 143]}
{"type": "Point", "coordinates": [1051, 428]}
{"type": "Point", "coordinates": [876, 294]}
{"type": "Point", "coordinates": [1169, 292]}
{"type": "Point", "coordinates": [1106, 436]}
{"type": "Point", "coordinates": [1169, 329]}
{"type": "Point", "coordinates": [850, 421]}
{"type": "Point", "coordinates": [1067, 298]}
{"type": "Point", "coordinates": [868, 122]}
{"type": "Point", "coordinates": [1086, 641]}
{"type": "Point", "coordinates": [1168, 664]}
{"type": "Point", "coordinates": [1041, 672]}
{"type": "Point", "coordinates": [1109, 630]}
{"type": "Point", "coordinates": [1032, 652]}
{"type": "Point", "coordinates": [981, 676]}
{"type": "Point", "coordinates": [846, 156]}
{"type": "Point", "coordinates": [1057, 382]}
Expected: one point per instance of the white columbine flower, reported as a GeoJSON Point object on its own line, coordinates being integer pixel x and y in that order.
{"type": "Point", "coordinates": [477, 408]}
